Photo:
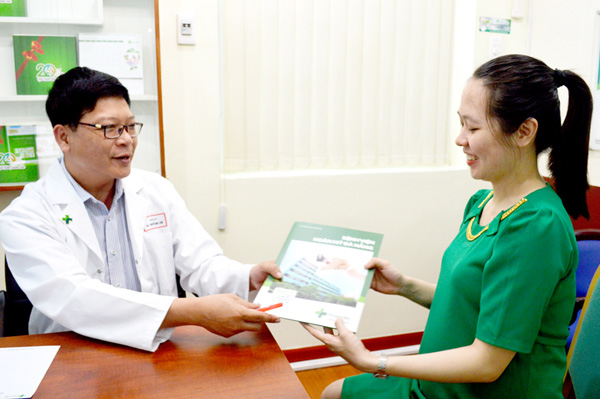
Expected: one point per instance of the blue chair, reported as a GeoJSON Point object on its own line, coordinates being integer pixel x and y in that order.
{"type": "Point", "coordinates": [588, 243]}
{"type": "Point", "coordinates": [582, 379]}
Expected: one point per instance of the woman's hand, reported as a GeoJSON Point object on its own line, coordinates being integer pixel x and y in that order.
{"type": "Point", "coordinates": [347, 345]}
{"type": "Point", "coordinates": [386, 279]}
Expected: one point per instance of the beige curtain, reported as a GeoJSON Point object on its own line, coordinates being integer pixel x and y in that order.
{"type": "Point", "coordinates": [335, 84]}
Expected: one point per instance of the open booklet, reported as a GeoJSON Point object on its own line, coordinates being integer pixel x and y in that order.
{"type": "Point", "coordinates": [323, 275]}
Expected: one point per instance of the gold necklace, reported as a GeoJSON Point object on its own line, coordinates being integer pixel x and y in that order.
{"type": "Point", "coordinates": [506, 214]}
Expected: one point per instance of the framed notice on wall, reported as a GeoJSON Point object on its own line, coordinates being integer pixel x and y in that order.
{"type": "Point", "coordinates": [595, 87]}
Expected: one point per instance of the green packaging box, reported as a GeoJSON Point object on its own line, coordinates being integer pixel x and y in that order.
{"type": "Point", "coordinates": [3, 140]}
{"type": "Point", "coordinates": [18, 156]}
{"type": "Point", "coordinates": [13, 8]}
{"type": "Point", "coordinates": [39, 60]}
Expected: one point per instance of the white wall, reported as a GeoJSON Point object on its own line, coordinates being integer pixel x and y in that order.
{"type": "Point", "coordinates": [565, 35]}
{"type": "Point", "coordinates": [418, 211]}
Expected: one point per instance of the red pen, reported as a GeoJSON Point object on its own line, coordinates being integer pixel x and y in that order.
{"type": "Point", "coordinates": [277, 305]}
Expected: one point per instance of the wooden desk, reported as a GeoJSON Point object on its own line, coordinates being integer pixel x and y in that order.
{"type": "Point", "coordinates": [192, 364]}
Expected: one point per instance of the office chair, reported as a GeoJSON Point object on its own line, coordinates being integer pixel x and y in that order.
{"type": "Point", "coordinates": [582, 379]}
{"type": "Point", "coordinates": [588, 243]}
{"type": "Point", "coordinates": [17, 307]}
{"type": "Point", "coordinates": [180, 291]}
{"type": "Point", "coordinates": [2, 302]}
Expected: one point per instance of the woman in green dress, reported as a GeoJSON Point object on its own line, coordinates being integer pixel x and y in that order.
{"type": "Point", "coordinates": [500, 311]}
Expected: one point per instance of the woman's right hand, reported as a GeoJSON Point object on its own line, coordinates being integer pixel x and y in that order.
{"type": "Point", "coordinates": [386, 279]}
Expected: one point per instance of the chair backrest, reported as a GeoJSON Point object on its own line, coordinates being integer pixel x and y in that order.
{"type": "Point", "coordinates": [2, 303]}
{"type": "Point", "coordinates": [17, 307]}
{"type": "Point", "coordinates": [180, 291]}
{"type": "Point", "coordinates": [588, 244]}
{"type": "Point", "coordinates": [582, 359]}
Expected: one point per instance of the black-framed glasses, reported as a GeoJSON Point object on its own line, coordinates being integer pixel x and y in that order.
{"type": "Point", "coordinates": [114, 131]}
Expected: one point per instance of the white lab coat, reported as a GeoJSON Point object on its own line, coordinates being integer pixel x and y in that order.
{"type": "Point", "coordinates": [60, 267]}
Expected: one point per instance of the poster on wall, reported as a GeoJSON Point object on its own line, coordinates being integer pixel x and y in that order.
{"type": "Point", "coordinates": [595, 129]}
{"type": "Point", "coordinates": [494, 25]}
{"type": "Point", "coordinates": [39, 60]}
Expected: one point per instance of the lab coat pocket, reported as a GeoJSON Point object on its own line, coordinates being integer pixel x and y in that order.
{"type": "Point", "coordinates": [158, 266]}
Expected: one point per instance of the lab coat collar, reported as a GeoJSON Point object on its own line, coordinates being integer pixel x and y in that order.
{"type": "Point", "coordinates": [61, 194]}
{"type": "Point", "coordinates": [136, 206]}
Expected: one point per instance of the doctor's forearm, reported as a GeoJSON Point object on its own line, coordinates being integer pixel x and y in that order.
{"type": "Point", "coordinates": [222, 314]}
{"type": "Point", "coordinates": [203, 311]}
{"type": "Point", "coordinates": [176, 315]}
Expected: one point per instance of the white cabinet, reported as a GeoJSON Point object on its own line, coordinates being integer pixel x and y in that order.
{"type": "Point", "coordinates": [71, 18]}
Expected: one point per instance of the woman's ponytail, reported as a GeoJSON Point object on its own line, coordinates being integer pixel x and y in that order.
{"type": "Point", "coordinates": [568, 160]}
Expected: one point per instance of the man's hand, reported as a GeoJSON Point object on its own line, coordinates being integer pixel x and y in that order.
{"type": "Point", "coordinates": [259, 273]}
{"type": "Point", "coordinates": [222, 314]}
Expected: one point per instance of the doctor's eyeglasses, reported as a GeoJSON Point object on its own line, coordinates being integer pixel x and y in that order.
{"type": "Point", "coordinates": [114, 131]}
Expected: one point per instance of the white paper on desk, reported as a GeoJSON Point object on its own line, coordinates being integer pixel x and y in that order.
{"type": "Point", "coordinates": [22, 369]}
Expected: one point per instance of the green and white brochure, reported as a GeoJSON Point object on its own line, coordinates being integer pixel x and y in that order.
{"type": "Point", "coordinates": [323, 275]}
{"type": "Point", "coordinates": [13, 8]}
{"type": "Point", "coordinates": [18, 155]}
{"type": "Point", "coordinates": [39, 60]}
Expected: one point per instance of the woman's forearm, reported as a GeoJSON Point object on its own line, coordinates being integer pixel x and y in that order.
{"type": "Point", "coordinates": [476, 363]}
{"type": "Point", "coordinates": [418, 291]}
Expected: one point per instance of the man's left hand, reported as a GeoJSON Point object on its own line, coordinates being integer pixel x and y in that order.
{"type": "Point", "coordinates": [259, 273]}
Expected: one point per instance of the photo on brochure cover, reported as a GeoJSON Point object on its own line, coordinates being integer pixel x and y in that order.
{"type": "Point", "coordinates": [323, 275]}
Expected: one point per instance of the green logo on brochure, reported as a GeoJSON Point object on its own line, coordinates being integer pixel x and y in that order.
{"type": "Point", "coordinates": [321, 313]}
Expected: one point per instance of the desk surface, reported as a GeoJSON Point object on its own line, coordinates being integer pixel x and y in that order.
{"type": "Point", "coordinates": [192, 364]}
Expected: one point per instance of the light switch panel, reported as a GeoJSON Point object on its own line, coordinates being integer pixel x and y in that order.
{"type": "Point", "coordinates": [186, 27]}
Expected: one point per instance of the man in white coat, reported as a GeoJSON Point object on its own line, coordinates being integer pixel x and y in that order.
{"type": "Point", "coordinates": [96, 245]}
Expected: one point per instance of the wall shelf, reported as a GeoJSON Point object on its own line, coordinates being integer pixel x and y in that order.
{"type": "Point", "coordinates": [28, 20]}
{"type": "Point", "coordinates": [42, 98]}
{"type": "Point", "coordinates": [52, 12]}
{"type": "Point", "coordinates": [91, 17]}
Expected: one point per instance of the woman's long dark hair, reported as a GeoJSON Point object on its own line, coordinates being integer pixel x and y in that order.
{"type": "Point", "coordinates": [521, 87]}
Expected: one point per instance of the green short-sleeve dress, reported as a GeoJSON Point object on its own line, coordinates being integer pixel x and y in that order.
{"type": "Point", "coordinates": [510, 284]}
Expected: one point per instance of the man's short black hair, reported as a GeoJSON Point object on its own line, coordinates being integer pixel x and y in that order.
{"type": "Point", "coordinates": [76, 93]}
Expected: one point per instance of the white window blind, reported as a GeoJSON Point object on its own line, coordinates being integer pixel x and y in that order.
{"type": "Point", "coordinates": [329, 84]}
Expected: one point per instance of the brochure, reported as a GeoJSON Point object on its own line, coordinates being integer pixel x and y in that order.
{"type": "Point", "coordinates": [39, 60]}
{"type": "Point", "coordinates": [117, 55]}
{"type": "Point", "coordinates": [323, 275]}
{"type": "Point", "coordinates": [18, 154]}
{"type": "Point", "coordinates": [13, 8]}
